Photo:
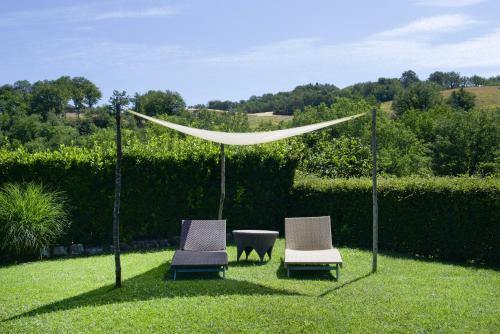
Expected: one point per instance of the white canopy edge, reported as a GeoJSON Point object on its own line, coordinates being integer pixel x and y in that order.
{"type": "Point", "coordinates": [245, 138]}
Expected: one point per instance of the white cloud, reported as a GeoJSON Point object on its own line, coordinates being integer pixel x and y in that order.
{"type": "Point", "coordinates": [305, 57]}
{"type": "Point", "coordinates": [431, 25]}
{"type": "Point", "coordinates": [447, 3]}
{"type": "Point", "coordinates": [279, 65]}
{"type": "Point", "coordinates": [291, 50]}
{"type": "Point", "coordinates": [373, 52]}
{"type": "Point", "coordinates": [94, 53]}
{"type": "Point", "coordinates": [80, 14]}
{"type": "Point", "coordinates": [151, 12]}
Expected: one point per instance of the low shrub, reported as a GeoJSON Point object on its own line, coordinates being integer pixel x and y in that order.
{"type": "Point", "coordinates": [164, 182]}
{"type": "Point", "coordinates": [31, 218]}
{"type": "Point", "coordinates": [445, 218]}
{"type": "Point", "coordinates": [169, 180]}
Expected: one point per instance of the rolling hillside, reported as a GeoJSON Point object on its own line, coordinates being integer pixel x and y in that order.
{"type": "Point", "coordinates": [486, 96]}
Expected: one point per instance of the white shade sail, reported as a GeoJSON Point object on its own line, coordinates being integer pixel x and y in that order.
{"type": "Point", "coordinates": [245, 138]}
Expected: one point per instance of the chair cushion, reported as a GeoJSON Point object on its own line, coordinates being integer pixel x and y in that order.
{"type": "Point", "coordinates": [194, 258]}
{"type": "Point", "coordinates": [324, 256]}
{"type": "Point", "coordinates": [203, 235]}
{"type": "Point", "coordinates": [308, 233]}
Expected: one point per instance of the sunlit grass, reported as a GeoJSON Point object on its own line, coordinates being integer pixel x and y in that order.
{"type": "Point", "coordinates": [405, 295]}
{"type": "Point", "coordinates": [487, 96]}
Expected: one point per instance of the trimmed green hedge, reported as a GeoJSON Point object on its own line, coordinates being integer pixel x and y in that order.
{"type": "Point", "coordinates": [163, 183]}
{"type": "Point", "coordinates": [445, 218]}
{"type": "Point", "coordinates": [169, 180]}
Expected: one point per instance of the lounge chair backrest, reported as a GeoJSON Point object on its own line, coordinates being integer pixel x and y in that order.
{"type": "Point", "coordinates": [203, 235]}
{"type": "Point", "coordinates": [308, 233]}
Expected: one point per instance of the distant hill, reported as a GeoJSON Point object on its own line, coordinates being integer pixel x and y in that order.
{"type": "Point", "coordinates": [282, 103]}
{"type": "Point", "coordinates": [486, 96]}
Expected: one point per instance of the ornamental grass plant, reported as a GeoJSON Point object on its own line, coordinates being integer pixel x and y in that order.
{"type": "Point", "coordinates": [31, 218]}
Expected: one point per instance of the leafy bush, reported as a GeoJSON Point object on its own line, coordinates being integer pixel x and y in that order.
{"type": "Point", "coordinates": [339, 157]}
{"type": "Point", "coordinates": [172, 179]}
{"type": "Point", "coordinates": [445, 218]}
{"type": "Point", "coordinates": [400, 152]}
{"type": "Point", "coordinates": [420, 95]}
{"type": "Point", "coordinates": [462, 99]}
{"type": "Point", "coordinates": [163, 182]}
{"type": "Point", "coordinates": [30, 219]}
{"type": "Point", "coordinates": [466, 141]}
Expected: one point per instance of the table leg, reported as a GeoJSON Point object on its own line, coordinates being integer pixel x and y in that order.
{"type": "Point", "coordinates": [269, 252]}
{"type": "Point", "coordinates": [239, 251]}
{"type": "Point", "coordinates": [248, 250]}
{"type": "Point", "coordinates": [262, 254]}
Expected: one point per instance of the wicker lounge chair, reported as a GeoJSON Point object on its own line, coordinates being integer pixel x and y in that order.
{"type": "Point", "coordinates": [308, 245]}
{"type": "Point", "coordinates": [202, 247]}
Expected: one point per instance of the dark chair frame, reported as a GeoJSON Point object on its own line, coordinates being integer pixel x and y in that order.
{"type": "Point", "coordinates": [201, 236]}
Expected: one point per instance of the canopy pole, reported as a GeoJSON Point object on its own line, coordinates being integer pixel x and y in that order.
{"type": "Point", "coordinates": [374, 190]}
{"type": "Point", "coordinates": [118, 186]}
{"type": "Point", "coordinates": [222, 180]}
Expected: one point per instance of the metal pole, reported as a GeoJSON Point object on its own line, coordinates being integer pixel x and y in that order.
{"type": "Point", "coordinates": [222, 180]}
{"type": "Point", "coordinates": [116, 208]}
{"type": "Point", "coordinates": [374, 190]}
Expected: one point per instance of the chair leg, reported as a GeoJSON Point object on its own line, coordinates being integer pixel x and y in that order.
{"type": "Point", "coordinates": [288, 272]}
{"type": "Point", "coordinates": [223, 272]}
{"type": "Point", "coordinates": [175, 274]}
{"type": "Point", "coordinates": [338, 272]}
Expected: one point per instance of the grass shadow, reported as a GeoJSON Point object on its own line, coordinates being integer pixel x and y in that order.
{"type": "Point", "coordinates": [154, 284]}
{"type": "Point", "coordinates": [354, 280]}
{"type": "Point", "coordinates": [473, 265]}
{"type": "Point", "coordinates": [248, 263]}
{"type": "Point", "coordinates": [304, 274]}
{"type": "Point", "coordinates": [428, 259]}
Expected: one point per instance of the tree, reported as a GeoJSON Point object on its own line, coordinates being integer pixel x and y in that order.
{"type": "Point", "coordinates": [493, 81]}
{"type": "Point", "coordinates": [438, 78]}
{"type": "Point", "coordinates": [421, 95]}
{"type": "Point", "coordinates": [448, 80]}
{"type": "Point", "coordinates": [77, 93]}
{"type": "Point", "coordinates": [466, 141]}
{"type": "Point", "coordinates": [64, 86]}
{"type": "Point", "coordinates": [91, 94]}
{"type": "Point", "coordinates": [462, 99]}
{"type": "Point", "coordinates": [476, 80]}
{"type": "Point", "coordinates": [118, 101]}
{"type": "Point", "coordinates": [13, 101]}
{"type": "Point", "coordinates": [49, 96]}
{"type": "Point", "coordinates": [221, 105]}
{"type": "Point", "coordinates": [288, 102]}
{"type": "Point", "coordinates": [452, 80]}
{"type": "Point", "coordinates": [23, 86]}
{"type": "Point", "coordinates": [408, 78]}
{"type": "Point", "coordinates": [135, 102]}
{"type": "Point", "coordinates": [400, 152]}
{"type": "Point", "coordinates": [338, 157]}
{"type": "Point", "coordinates": [157, 102]}
{"type": "Point", "coordinates": [386, 89]}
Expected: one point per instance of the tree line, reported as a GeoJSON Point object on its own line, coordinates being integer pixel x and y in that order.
{"type": "Point", "coordinates": [423, 134]}
{"type": "Point", "coordinates": [48, 113]}
{"type": "Point", "coordinates": [382, 90]}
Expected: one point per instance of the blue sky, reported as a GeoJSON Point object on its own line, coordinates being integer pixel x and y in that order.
{"type": "Point", "coordinates": [234, 49]}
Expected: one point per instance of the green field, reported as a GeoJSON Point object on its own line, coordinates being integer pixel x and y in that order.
{"type": "Point", "coordinates": [386, 106]}
{"type": "Point", "coordinates": [256, 120]}
{"type": "Point", "coordinates": [486, 96]}
{"type": "Point", "coordinates": [406, 295]}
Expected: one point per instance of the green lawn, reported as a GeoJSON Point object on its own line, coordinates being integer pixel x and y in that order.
{"type": "Point", "coordinates": [255, 120]}
{"type": "Point", "coordinates": [76, 295]}
{"type": "Point", "coordinates": [486, 96]}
